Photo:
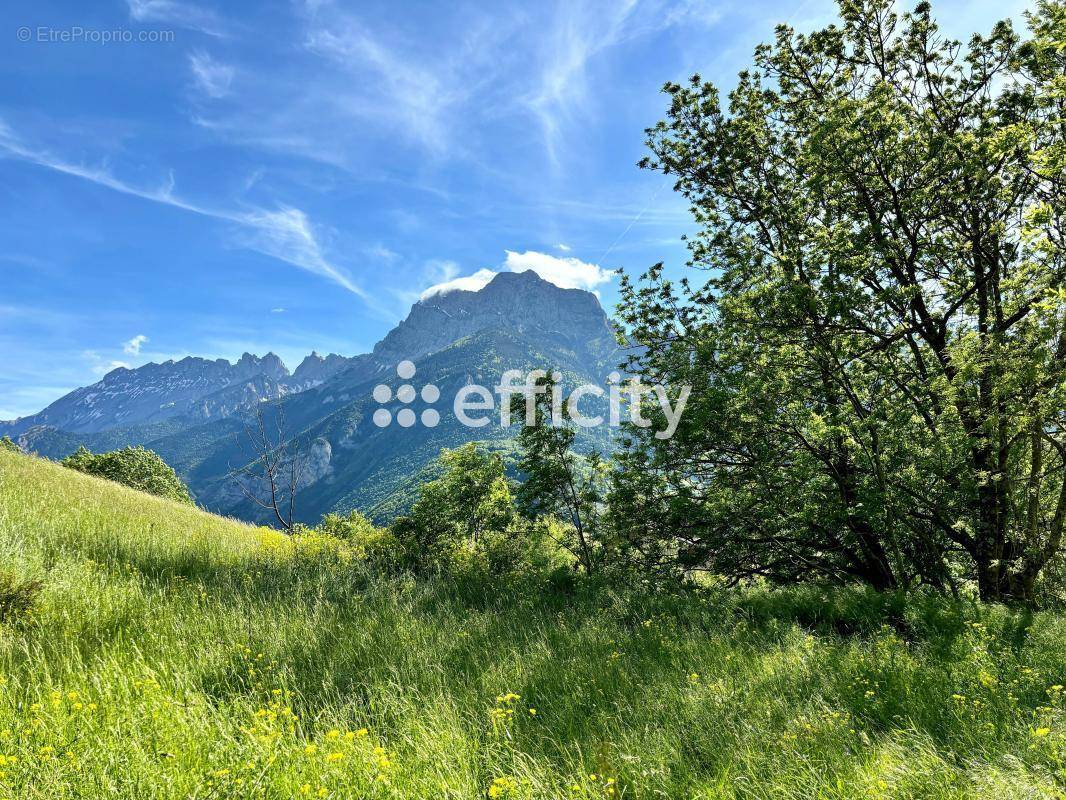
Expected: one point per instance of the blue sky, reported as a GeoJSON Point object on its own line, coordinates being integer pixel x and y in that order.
{"type": "Point", "coordinates": [291, 176]}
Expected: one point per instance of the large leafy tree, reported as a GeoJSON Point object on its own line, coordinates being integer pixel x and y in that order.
{"type": "Point", "coordinates": [878, 352]}
{"type": "Point", "coordinates": [471, 497]}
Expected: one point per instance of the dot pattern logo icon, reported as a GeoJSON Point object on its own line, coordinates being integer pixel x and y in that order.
{"type": "Point", "coordinates": [405, 394]}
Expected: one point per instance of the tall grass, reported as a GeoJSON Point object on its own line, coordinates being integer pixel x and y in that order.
{"type": "Point", "coordinates": [177, 654]}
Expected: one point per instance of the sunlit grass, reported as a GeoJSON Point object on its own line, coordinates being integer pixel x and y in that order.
{"type": "Point", "coordinates": [177, 654]}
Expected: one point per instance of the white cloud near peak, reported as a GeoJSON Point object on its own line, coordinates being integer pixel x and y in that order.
{"type": "Point", "coordinates": [566, 273]}
{"type": "Point", "coordinates": [470, 283]}
{"type": "Point", "coordinates": [133, 346]}
{"type": "Point", "coordinates": [100, 365]}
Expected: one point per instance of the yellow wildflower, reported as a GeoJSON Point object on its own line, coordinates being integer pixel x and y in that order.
{"type": "Point", "coordinates": [502, 787]}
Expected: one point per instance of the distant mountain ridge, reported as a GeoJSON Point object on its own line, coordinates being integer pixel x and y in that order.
{"type": "Point", "coordinates": [192, 412]}
{"type": "Point", "coordinates": [194, 387]}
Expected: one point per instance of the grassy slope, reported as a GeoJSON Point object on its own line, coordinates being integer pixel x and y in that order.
{"type": "Point", "coordinates": [169, 644]}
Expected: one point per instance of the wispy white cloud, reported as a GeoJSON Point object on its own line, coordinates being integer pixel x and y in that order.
{"type": "Point", "coordinates": [373, 79]}
{"type": "Point", "coordinates": [285, 233]}
{"type": "Point", "coordinates": [173, 12]}
{"type": "Point", "coordinates": [564, 247]}
{"type": "Point", "coordinates": [288, 235]}
{"type": "Point", "coordinates": [580, 32]}
{"type": "Point", "coordinates": [380, 252]}
{"type": "Point", "coordinates": [278, 310]}
{"type": "Point", "coordinates": [133, 346]}
{"type": "Point", "coordinates": [354, 83]}
{"type": "Point", "coordinates": [418, 97]}
{"type": "Point", "coordinates": [213, 78]}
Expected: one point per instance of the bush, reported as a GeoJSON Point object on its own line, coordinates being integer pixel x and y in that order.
{"type": "Point", "coordinates": [135, 467]}
{"type": "Point", "coordinates": [350, 528]}
{"type": "Point", "coordinates": [376, 546]}
{"type": "Point", "coordinates": [7, 444]}
{"type": "Point", "coordinates": [17, 597]}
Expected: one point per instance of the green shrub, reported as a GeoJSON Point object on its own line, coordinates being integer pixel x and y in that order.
{"type": "Point", "coordinates": [135, 467]}
{"type": "Point", "coordinates": [17, 597]}
{"type": "Point", "coordinates": [7, 444]}
{"type": "Point", "coordinates": [352, 527]}
{"type": "Point", "coordinates": [376, 546]}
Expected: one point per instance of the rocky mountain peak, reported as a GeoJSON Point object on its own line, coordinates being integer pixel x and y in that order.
{"type": "Point", "coordinates": [515, 301]}
{"type": "Point", "coordinates": [315, 369]}
{"type": "Point", "coordinates": [269, 365]}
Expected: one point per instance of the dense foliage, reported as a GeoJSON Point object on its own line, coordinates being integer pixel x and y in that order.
{"type": "Point", "coordinates": [454, 513]}
{"type": "Point", "coordinates": [132, 466]}
{"type": "Point", "coordinates": [466, 520]}
{"type": "Point", "coordinates": [877, 356]}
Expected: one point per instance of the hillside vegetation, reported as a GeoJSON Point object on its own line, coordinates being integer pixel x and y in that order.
{"type": "Point", "coordinates": [173, 653]}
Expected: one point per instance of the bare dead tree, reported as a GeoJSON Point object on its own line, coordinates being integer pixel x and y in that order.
{"type": "Point", "coordinates": [270, 475]}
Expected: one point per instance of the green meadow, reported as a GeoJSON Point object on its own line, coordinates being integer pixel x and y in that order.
{"type": "Point", "coordinates": [176, 654]}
